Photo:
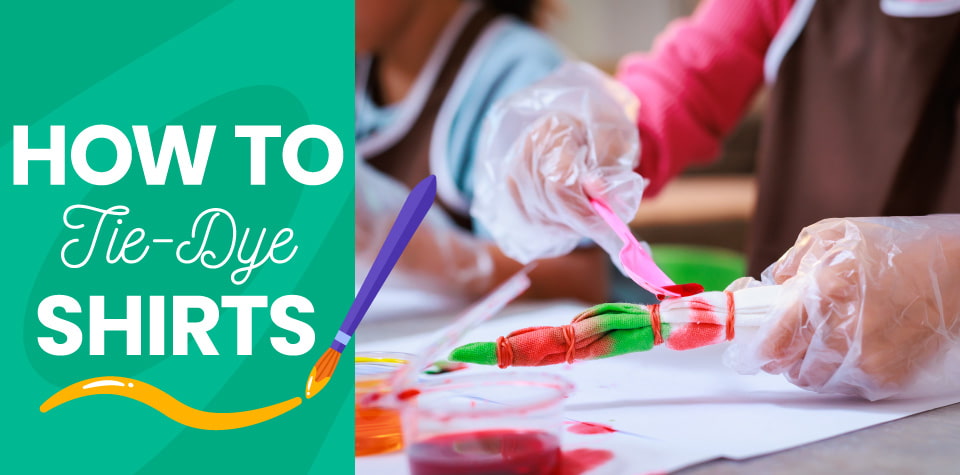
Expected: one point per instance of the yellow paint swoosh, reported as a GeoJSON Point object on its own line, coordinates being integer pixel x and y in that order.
{"type": "Point", "coordinates": [167, 404]}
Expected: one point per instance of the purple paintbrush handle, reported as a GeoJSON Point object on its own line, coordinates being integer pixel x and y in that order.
{"type": "Point", "coordinates": [414, 209]}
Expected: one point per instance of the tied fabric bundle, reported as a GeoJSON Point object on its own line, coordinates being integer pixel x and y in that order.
{"type": "Point", "coordinates": [613, 329]}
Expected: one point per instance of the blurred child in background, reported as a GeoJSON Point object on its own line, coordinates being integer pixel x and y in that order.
{"type": "Point", "coordinates": [427, 73]}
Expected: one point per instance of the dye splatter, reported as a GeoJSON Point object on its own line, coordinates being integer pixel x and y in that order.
{"type": "Point", "coordinates": [407, 394]}
{"type": "Point", "coordinates": [589, 428]}
{"type": "Point", "coordinates": [443, 367]}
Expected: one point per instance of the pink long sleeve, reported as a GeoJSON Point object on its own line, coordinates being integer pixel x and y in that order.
{"type": "Point", "coordinates": [698, 80]}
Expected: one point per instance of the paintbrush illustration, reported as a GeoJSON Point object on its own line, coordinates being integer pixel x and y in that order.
{"type": "Point", "coordinates": [414, 209]}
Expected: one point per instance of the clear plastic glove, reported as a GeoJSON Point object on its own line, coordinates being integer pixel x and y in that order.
{"type": "Point", "coordinates": [440, 257]}
{"type": "Point", "coordinates": [544, 149]}
{"type": "Point", "coordinates": [870, 307]}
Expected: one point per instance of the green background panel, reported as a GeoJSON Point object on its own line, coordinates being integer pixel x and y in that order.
{"type": "Point", "coordinates": [189, 64]}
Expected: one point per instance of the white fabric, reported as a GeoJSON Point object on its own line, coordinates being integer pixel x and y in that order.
{"type": "Point", "coordinates": [751, 306]}
{"type": "Point", "coordinates": [795, 22]}
{"type": "Point", "coordinates": [919, 9]}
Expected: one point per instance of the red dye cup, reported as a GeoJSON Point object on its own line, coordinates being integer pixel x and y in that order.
{"type": "Point", "coordinates": [503, 422]}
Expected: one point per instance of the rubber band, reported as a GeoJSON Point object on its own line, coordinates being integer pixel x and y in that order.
{"type": "Point", "coordinates": [655, 324]}
{"type": "Point", "coordinates": [570, 337]}
{"type": "Point", "coordinates": [731, 315]}
{"type": "Point", "coordinates": [504, 353]}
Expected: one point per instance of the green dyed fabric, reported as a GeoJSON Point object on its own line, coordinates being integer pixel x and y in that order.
{"type": "Point", "coordinates": [602, 331]}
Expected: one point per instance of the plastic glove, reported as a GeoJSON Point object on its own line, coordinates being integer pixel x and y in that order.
{"type": "Point", "coordinates": [544, 149]}
{"type": "Point", "coordinates": [870, 307]}
{"type": "Point", "coordinates": [440, 257]}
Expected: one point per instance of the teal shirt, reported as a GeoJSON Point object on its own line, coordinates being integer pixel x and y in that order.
{"type": "Point", "coordinates": [509, 56]}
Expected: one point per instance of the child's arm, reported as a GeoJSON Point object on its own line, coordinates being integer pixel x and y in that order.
{"type": "Point", "coordinates": [583, 274]}
{"type": "Point", "coordinates": [546, 150]}
{"type": "Point", "coordinates": [698, 80]}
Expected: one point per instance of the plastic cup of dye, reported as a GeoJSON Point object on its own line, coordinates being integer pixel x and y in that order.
{"type": "Point", "coordinates": [377, 427]}
{"type": "Point", "coordinates": [502, 422]}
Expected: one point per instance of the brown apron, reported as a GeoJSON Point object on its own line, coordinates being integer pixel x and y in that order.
{"type": "Point", "coordinates": [862, 121]}
{"type": "Point", "coordinates": [408, 160]}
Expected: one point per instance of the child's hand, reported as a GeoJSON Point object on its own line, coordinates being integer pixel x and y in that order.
{"type": "Point", "coordinates": [548, 147]}
{"type": "Point", "coordinates": [871, 308]}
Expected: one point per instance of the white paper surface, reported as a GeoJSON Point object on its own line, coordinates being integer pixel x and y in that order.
{"type": "Point", "coordinates": [671, 409]}
{"type": "Point", "coordinates": [397, 302]}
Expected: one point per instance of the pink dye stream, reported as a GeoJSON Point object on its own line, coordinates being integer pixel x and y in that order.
{"type": "Point", "coordinates": [636, 261]}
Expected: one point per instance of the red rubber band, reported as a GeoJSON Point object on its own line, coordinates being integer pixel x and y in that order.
{"type": "Point", "coordinates": [655, 324]}
{"type": "Point", "coordinates": [731, 315]}
{"type": "Point", "coordinates": [570, 337]}
{"type": "Point", "coordinates": [504, 353]}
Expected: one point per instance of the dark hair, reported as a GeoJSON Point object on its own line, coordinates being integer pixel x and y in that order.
{"type": "Point", "coordinates": [530, 11]}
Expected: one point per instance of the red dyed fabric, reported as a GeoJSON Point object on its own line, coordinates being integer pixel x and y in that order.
{"type": "Point", "coordinates": [539, 346]}
{"type": "Point", "coordinates": [695, 335]}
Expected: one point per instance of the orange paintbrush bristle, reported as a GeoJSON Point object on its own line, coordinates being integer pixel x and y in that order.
{"type": "Point", "coordinates": [322, 372]}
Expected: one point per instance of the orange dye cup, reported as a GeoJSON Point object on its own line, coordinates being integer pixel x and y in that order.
{"type": "Point", "coordinates": [377, 428]}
